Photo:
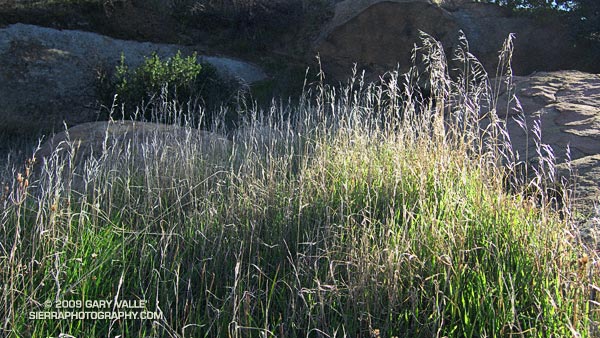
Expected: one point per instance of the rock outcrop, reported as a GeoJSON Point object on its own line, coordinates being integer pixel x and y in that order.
{"type": "Point", "coordinates": [566, 105]}
{"type": "Point", "coordinates": [379, 35]}
{"type": "Point", "coordinates": [48, 76]}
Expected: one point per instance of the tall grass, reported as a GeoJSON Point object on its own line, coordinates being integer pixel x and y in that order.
{"type": "Point", "coordinates": [358, 212]}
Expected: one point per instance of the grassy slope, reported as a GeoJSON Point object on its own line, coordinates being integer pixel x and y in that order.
{"type": "Point", "coordinates": [354, 217]}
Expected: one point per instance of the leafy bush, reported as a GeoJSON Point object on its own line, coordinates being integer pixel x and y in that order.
{"type": "Point", "coordinates": [156, 80]}
{"type": "Point", "coordinates": [178, 74]}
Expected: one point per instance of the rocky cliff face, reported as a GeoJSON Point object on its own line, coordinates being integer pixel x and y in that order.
{"type": "Point", "coordinates": [379, 35]}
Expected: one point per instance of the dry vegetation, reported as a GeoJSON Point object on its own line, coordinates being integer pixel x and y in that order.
{"type": "Point", "coordinates": [356, 213]}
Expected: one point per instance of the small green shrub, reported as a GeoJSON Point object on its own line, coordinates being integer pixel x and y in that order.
{"type": "Point", "coordinates": [177, 73]}
{"type": "Point", "coordinates": [156, 80]}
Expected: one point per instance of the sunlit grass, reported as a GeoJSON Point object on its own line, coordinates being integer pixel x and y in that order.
{"type": "Point", "coordinates": [351, 214]}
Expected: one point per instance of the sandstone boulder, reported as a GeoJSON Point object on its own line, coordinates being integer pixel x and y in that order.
{"type": "Point", "coordinates": [167, 153]}
{"type": "Point", "coordinates": [95, 139]}
{"type": "Point", "coordinates": [379, 35]}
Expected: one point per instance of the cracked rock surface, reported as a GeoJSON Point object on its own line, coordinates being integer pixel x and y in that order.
{"type": "Point", "coordinates": [566, 106]}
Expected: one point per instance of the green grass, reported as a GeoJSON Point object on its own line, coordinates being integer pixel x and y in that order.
{"type": "Point", "coordinates": [353, 217]}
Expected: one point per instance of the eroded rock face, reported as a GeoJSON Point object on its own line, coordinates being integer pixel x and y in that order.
{"type": "Point", "coordinates": [566, 106]}
{"type": "Point", "coordinates": [379, 35]}
{"type": "Point", "coordinates": [48, 76]}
